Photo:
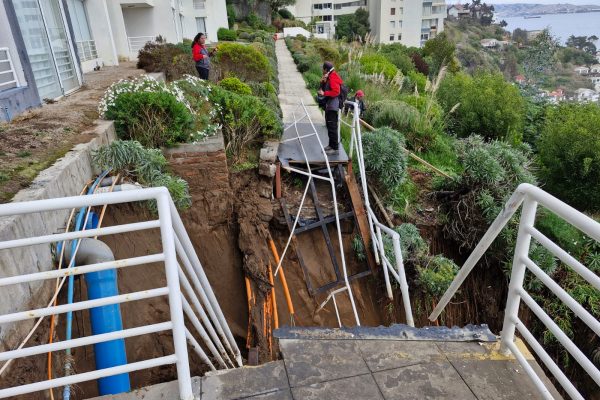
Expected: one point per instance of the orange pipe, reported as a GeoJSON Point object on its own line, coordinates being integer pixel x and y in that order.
{"type": "Point", "coordinates": [286, 290]}
{"type": "Point", "coordinates": [249, 295]}
{"type": "Point", "coordinates": [274, 299]}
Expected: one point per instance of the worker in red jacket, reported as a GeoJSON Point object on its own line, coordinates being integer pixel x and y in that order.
{"type": "Point", "coordinates": [201, 55]}
{"type": "Point", "coordinates": [330, 88]}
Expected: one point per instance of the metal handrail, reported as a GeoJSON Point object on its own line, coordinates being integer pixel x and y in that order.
{"type": "Point", "coordinates": [375, 226]}
{"type": "Point", "coordinates": [530, 197]}
{"type": "Point", "coordinates": [11, 69]}
{"type": "Point", "coordinates": [331, 181]}
{"type": "Point", "coordinates": [197, 298]}
{"type": "Point", "coordinates": [137, 42]}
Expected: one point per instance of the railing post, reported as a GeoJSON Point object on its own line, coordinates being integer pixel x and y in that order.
{"type": "Point", "coordinates": [518, 273]}
{"type": "Point", "coordinates": [175, 303]}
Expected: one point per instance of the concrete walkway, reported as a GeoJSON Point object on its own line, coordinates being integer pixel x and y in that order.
{"type": "Point", "coordinates": [292, 89]}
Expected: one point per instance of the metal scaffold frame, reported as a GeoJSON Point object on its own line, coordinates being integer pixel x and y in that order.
{"type": "Point", "coordinates": [330, 179]}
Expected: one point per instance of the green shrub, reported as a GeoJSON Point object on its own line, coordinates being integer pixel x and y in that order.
{"type": "Point", "coordinates": [153, 119]}
{"type": "Point", "coordinates": [245, 119]}
{"type": "Point", "coordinates": [417, 81]}
{"type": "Point", "coordinates": [313, 81]}
{"type": "Point", "coordinates": [392, 113]}
{"type": "Point", "coordinates": [385, 160]}
{"type": "Point", "coordinates": [326, 50]}
{"type": "Point", "coordinates": [402, 61]}
{"type": "Point", "coordinates": [437, 275]}
{"type": "Point", "coordinates": [285, 14]}
{"type": "Point", "coordinates": [146, 166]}
{"type": "Point", "coordinates": [485, 105]}
{"type": "Point", "coordinates": [235, 85]}
{"type": "Point", "coordinates": [377, 64]}
{"type": "Point", "coordinates": [174, 60]}
{"type": "Point", "coordinates": [243, 62]}
{"type": "Point", "coordinates": [264, 89]}
{"type": "Point", "coordinates": [569, 152]}
{"type": "Point", "coordinates": [224, 34]}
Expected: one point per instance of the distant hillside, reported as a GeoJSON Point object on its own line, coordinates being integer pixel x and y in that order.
{"type": "Point", "coordinates": [522, 9]}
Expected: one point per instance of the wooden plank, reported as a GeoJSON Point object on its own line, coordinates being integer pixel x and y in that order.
{"type": "Point", "coordinates": [361, 218]}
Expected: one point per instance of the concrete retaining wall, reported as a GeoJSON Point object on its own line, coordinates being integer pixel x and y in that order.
{"type": "Point", "coordinates": [65, 178]}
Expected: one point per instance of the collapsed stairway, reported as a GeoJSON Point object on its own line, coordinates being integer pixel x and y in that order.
{"type": "Point", "coordinates": [391, 363]}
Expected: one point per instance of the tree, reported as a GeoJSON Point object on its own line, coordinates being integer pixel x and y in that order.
{"type": "Point", "coordinates": [503, 24]}
{"type": "Point", "coordinates": [353, 25]}
{"type": "Point", "coordinates": [277, 4]}
{"type": "Point", "coordinates": [441, 50]}
{"type": "Point", "coordinates": [583, 43]}
{"type": "Point", "coordinates": [539, 57]}
{"type": "Point", "coordinates": [569, 151]}
{"type": "Point", "coordinates": [520, 36]}
{"type": "Point", "coordinates": [487, 106]}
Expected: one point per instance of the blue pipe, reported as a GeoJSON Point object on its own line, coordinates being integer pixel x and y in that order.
{"type": "Point", "coordinates": [104, 319]}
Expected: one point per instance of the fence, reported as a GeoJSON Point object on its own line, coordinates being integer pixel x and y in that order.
{"type": "Point", "coordinates": [87, 50]}
{"type": "Point", "coordinates": [137, 42]}
{"type": "Point", "coordinates": [8, 76]}
{"type": "Point", "coordinates": [530, 197]}
{"type": "Point", "coordinates": [188, 292]}
{"type": "Point", "coordinates": [378, 230]}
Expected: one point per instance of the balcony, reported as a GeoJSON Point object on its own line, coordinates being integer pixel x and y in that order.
{"type": "Point", "coordinates": [137, 3]}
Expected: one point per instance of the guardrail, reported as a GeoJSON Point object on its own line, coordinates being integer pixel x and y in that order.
{"type": "Point", "coordinates": [87, 50]}
{"type": "Point", "coordinates": [395, 268]}
{"type": "Point", "coordinates": [530, 197]}
{"type": "Point", "coordinates": [196, 301]}
{"type": "Point", "coordinates": [137, 42]}
{"type": "Point", "coordinates": [7, 67]}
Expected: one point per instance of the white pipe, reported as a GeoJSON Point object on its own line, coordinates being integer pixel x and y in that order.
{"type": "Point", "coordinates": [65, 203]}
{"type": "Point", "coordinates": [85, 341]}
{"type": "Point", "coordinates": [565, 257]}
{"type": "Point", "coordinates": [58, 273]}
{"type": "Point", "coordinates": [198, 307]}
{"type": "Point", "coordinates": [547, 360]}
{"type": "Point", "coordinates": [585, 363]}
{"type": "Point", "coordinates": [517, 275]}
{"type": "Point", "coordinates": [83, 305]}
{"type": "Point", "coordinates": [490, 235]}
{"type": "Point", "coordinates": [59, 237]}
{"type": "Point", "coordinates": [577, 308]}
{"type": "Point", "coordinates": [198, 349]}
{"type": "Point", "coordinates": [87, 376]}
{"type": "Point", "coordinates": [386, 275]}
{"type": "Point", "coordinates": [214, 310]}
{"type": "Point", "coordinates": [184, 379]}
{"type": "Point", "coordinates": [187, 309]}
{"type": "Point", "coordinates": [200, 290]}
{"type": "Point", "coordinates": [541, 387]}
{"type": "Point", "coordinates": [337, 313]}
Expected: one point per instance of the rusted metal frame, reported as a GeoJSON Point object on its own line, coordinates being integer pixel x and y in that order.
{"type": "Point", "coordinates": [288, 220]}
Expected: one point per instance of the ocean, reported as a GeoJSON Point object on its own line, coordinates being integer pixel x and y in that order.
{"type": "Point", "coordinates": [561, 25]}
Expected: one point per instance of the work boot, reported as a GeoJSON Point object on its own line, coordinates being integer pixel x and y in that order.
{"type": "Point", "coordinates": [331, 152]}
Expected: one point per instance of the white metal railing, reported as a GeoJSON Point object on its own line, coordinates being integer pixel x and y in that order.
{"type": "Point", "coordinates": [193, 299]}
{"type": "Point", "coordinates": [137, 42]}
{"type": "Point", "coordinates": [329, 178]}
{"type": "Point", "coordinates": [87, 50]}
{"type": "Point", "coordinates": [530, 197]}
{"type": "Point", "coordinates": [7, 68]}
{"type": "Point", "coordinates": [395, 268]}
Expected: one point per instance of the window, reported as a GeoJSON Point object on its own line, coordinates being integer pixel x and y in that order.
{"type": "Point", "coordinates": [400, 24]}
{"type": "Point", "coordinates": [327, 18]}
{"type": "Point", "coordinates": [399, 37]}
{"type": "Point", "coordinates": [401, 10]}
{"type": "Point", "coordinates": [201, 25]}
{"type": "Point", "coordinates": [393, 11]}
{"type": "Point", "coordinates": [199, 5]}
{"type": "Point", "coordinates": [426, 9]}
{"type": "Point", "coordinates": [392, 38]}
{"type": "Point", "coordinates": [393, 24]}
{"type": "Point", "coordinates": [424, 36]}
{"type": "Point", "coordinates": [318, 6]}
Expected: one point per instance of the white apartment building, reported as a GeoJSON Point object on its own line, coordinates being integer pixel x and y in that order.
{"type": "Point", "coordinates": [47, 45]}
{"type": "Point", "coordinates": [410, 22]}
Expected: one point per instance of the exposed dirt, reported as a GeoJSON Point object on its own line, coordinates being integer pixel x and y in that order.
{"type": "Point", "coordinates": [35, 139]}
